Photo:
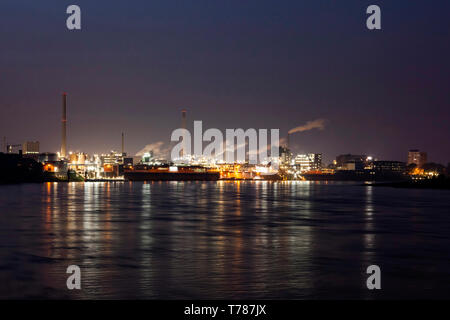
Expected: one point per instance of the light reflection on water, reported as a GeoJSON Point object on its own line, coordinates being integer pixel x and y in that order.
{"type": "Point", "coordinates": [292, 240]}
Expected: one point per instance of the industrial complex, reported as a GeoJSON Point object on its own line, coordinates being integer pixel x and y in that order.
{"type": "Point", "coordinates": [65, 165]}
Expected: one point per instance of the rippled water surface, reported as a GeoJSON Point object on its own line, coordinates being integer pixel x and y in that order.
{"type": "Point", "coordinates": [290, 240]}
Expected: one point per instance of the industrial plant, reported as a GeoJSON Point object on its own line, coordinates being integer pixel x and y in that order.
{"type": "Point", "coordinates": [78, 166]}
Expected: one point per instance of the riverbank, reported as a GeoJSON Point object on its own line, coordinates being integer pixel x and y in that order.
{"type": "Point", "coordinates": [436, 183]}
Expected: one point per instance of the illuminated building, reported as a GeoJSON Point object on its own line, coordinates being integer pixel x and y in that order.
{"type": "Point", "coordinates": [52, 165]}
{"type": "Point", "coordinates": [112, 158]}
{"type": "Point", "coordinates": [416, 157]}
{"type": "Point", "coordinates": [49, 167]}
{"type": "Point", "coordinates": [77, 162]}
{"type": "Point", "coordinates": [77, 158]}
{"type": "Point", "coordinates": [239, 171]}
{"type": "Point", "coordinates": [315, 161]}
{"type": "Point", "coordinates": [285, 156]}
{"type": "Point", "coordinates": [308, 162]}
{"type": "Point", "coordinates": [56, 169]}
{"type": "Point", "coordinates": [301, 162]}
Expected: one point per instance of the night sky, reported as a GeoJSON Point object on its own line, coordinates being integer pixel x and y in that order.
{"type": "Point", "coordinates": [249, 64]}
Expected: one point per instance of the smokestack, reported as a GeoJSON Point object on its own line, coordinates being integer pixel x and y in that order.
{"type": "Point", "coordinates": [183, 118]}
{"type": "Point", "coordinates": [123, 145]}
{"type": "Point", "coordinates": [287, 140]}
{"type": "Point", "coordinates": [183, 126]}
{"type": "Point", "coordinates": [64, 122]}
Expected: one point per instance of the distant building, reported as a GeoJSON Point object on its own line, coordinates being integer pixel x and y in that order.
{"type": "Point", "coordinates": [343, 159]}
{"type": "Point", "coordinates": [78, 158]}
{"type": "Point", "coordinates": [128, 161]}
{"type": "Point", "coordinates": [316, 163]}
{"type": "Point", "coordinates": [30, 147]}
{"type": "Point", "coordinates": [351, 166]}
{"type": "Point", "coordinates": [308, 162]}
{"type": "Point", "coordinates": [48, 156]}
{"type": "Point", "coordinates": [417, 157]}
{"type": "Point", "coordinates": [56, 169]}
{"type": "Point", "coordinates": [352, 162]}
{"type": "Point", "coordinates": [301, 162]}
{"type": "Point", "coordinates": [112, 158]}
{"type": "Point", "coordinates": [285, 155]}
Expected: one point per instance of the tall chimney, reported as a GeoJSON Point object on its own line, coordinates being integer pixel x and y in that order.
{"type": "Point", "coordinates": [123, 145]}
{"type": "Point", "coordinates": [64, 122]}
{"type": "Point", "coordinates": [183, 126]}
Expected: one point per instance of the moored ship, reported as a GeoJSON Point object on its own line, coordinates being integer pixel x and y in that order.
{"type": "Point", "coordinates": [170, 173]}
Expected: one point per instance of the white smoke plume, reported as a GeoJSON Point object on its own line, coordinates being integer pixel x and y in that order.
{"type": "Point", "coordinates": [315, 124]}
{"type": "Point", "coordinates": [158, 149]}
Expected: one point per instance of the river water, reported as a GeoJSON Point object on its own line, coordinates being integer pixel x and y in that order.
{"type": "Point", "coordinates": [213, 240]}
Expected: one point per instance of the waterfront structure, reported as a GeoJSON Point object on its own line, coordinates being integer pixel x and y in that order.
{"type": "Point", "coordinates": [389, 167]}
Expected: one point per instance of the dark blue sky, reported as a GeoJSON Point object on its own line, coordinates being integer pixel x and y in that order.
{"type": "Point", "coordinates": [249, 64]}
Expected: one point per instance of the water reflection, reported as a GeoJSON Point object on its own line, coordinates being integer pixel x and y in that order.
{"type": "Point", "coordinates": [216, 239]}
{"type": "Point", "coordinates": [369, 234]}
